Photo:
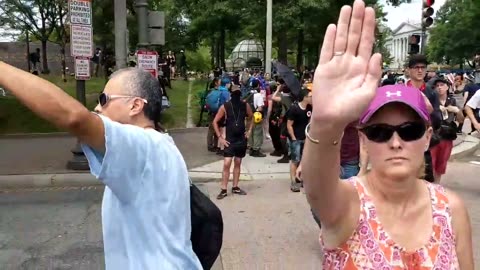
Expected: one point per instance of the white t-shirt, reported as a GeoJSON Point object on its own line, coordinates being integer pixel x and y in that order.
{"type": "Point", "coordinates": [257, 100]}
{"type": "Point", "coordinates": [474, 102]}
{"type": "Point", "coordinates": [146, 204]}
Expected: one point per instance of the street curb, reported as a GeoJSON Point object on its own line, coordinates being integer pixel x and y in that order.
{"type": "Point", "coordinates": [48, 180]}
{"type": "Point", "coordinates": [469, 145]}
{"type": "Point", "coordinates": [68, 179]}
{"type": "Point", "coordinates": [66, 134]}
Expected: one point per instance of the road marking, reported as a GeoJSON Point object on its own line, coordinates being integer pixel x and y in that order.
{"type": "Point", "coordinates": [475, 162]}
{"type": "Point", "coordinates": [189, 106]}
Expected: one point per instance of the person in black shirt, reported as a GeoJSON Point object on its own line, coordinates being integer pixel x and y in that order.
{"type": "Point", "coordinates": [298, 118]}
{"type": "Point", "coordinates": [235, 112]}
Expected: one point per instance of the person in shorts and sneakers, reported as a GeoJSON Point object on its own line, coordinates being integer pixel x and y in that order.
{"type": "Point", "coordinates": [298, 118]}
{"type": "Point", "coordinates": [235, 112]}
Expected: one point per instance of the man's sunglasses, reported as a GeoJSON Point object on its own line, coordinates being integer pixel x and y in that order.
{"type": "Point", "coordinates": [409, 131]}
{"type": "Point", "coordinates": [103, 98]}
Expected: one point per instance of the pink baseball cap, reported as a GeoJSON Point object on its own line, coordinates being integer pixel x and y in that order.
{"type": "Point", "coordinates": [410, 96]}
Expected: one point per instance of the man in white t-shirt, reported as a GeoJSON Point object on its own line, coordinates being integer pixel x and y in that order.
{"type": "Point", "coordinates": [146, 214]}
{"type": "Point", "coordinates": [472, 110]}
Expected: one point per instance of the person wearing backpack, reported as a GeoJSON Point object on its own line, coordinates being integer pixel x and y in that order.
{"type": "Point", "coordinates": [212, 139]}
{"type": "Point", "coordinates": [146, 211]}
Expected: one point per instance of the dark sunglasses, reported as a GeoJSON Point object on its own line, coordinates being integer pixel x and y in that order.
{"type": "Point", "coordinates": [103, 98]}
{"type": "Point", "coordinates": [409, 131]}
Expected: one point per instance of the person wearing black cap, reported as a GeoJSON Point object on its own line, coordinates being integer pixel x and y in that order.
{"type": "Point", "coordinates": [447, 132]}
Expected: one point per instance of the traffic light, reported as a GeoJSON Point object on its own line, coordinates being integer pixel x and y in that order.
{"type": "Point", "coordinates": [414, 44]}
{"type": "Point", "coordinates": [427, 13]}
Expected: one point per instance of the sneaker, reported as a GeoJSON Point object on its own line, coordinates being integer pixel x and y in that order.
{"type": "Point", "coordinates": [276, 154]}
{"type": "Point", "coordinates": [238, 191]}
{"type": "Point", "coordinates": [284, 159]}
{"type": "Point", "coordinates": [299, 182]}
{"type": "Point", "coordinates": [257, 153]}
{"type": "Point", "coordinates": [294, 187]}
{"type": "Point", "coordinates": [212, 149]}
{"type": "Point", "coordinates": [222, 194]}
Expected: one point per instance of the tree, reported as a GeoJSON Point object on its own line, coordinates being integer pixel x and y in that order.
{"type": "Point", "coordinates": [61, 35]}
{"type": "Point", "coordinates": [32, 16]}
{"type": "Point", "coordinates": [454, 38]}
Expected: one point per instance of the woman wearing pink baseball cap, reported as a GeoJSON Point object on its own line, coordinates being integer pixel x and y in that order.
{"type": "Point", "coordinates": [368, 221]}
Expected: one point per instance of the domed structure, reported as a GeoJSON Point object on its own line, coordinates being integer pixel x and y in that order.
{"type": "Point", "coordinates": [248, 48]}
{"type": "Point", "coordinates": [244, 51]}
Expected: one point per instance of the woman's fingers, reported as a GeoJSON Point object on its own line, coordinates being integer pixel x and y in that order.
{"type": "Point", "coordinates": [356, 24]}
{"type": "Point", "coordinates": [326, 53]}
{"type": "Point", "coordinates": [342, 29]}
{"type": "Point", "coordinates": [367, 38]}
{"type": "Point", "coordinates": [374, 73]}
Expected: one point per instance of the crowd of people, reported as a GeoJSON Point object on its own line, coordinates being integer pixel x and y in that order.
{"type": "Point", "coordinates": [343, 121]}
{"type": "Point", "coordinates": [280, 117]}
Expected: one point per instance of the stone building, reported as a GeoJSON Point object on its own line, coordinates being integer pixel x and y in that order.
{"type": "Point", "coordinates": [15, 53]}
{"type": "Point", "coordinates": [397, 43]}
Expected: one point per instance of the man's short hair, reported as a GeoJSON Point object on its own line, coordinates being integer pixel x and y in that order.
{"type": "Point", "coordinates": [140, 83]}
{"type": "Point", "coordinates": [415, 59]}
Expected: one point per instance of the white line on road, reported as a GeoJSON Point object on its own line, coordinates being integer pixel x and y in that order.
{"type": "Point", "coordinates": [189, 106]}
{"type": "Point", "coordinates": [475, 162]}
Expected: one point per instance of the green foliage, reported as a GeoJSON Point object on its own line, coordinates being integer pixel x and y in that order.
{"type": "Point", "coordinates": [199, 60]}
{"type": "Point", "coordinates": [455, 36]}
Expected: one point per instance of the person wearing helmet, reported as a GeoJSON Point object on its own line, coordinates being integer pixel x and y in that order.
{"type": "Point", "coordinates": [235, 112]}
{"type": "Point", "coordinates": [298, 118]}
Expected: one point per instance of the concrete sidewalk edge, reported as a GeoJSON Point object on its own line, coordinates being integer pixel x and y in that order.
{"type": "Point", "coordinates": [467, 147]}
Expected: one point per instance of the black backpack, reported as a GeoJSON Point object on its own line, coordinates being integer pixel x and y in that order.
{"type": "Point", "coordinates": [207, 227]}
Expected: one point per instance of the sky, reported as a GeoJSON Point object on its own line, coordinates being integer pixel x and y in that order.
{"type": "Point", "coordinates": [405, 12]}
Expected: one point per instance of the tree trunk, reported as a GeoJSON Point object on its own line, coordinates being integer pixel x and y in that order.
{"type": "Point", "coordinates": [222, 48]}
{"type": "Point", "coordinates": [44, 58]}
{"type": "Point", "coordinates": [64, 64]}
{"type": "Point", "coordinates": [212, 52]}
{"type": "Point", "coordinates": [217, 54]}
{"type": "Point", "coordinates": [28, 52]}
{"type": "Point", "coordinates": [282, 47]}
{"type": "Point", "coordinates": [300, 40]}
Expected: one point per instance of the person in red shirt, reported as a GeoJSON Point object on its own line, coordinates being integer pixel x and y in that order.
{"type": "Point", "coordinates": [417, 69]}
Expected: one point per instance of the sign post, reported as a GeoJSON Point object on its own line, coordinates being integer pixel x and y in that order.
{"type": "Point", "coordinates": [81, 41]}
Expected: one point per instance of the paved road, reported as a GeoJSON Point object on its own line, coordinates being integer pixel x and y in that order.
{"type": "Point", "coordinates": [50, 154]}
{"type": "Point", "coordinates": [270, 228]}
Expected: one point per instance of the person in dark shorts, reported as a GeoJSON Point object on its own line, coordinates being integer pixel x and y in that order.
{"type": "Point", "coordinates": [235, 112]}
{"type": "Point", "coordinates": [298, 118]}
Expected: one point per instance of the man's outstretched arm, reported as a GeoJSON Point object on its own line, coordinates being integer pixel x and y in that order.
{"type": "Point", "coordinates": [54, 105]}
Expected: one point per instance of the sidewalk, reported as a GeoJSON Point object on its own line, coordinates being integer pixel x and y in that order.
{"type": "Point", "coordinates": [203, 166]}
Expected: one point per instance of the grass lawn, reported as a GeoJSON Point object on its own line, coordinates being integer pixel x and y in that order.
{"type": "Point", "coordinates": [15, 118]}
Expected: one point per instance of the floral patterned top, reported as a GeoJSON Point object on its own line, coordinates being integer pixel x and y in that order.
{"type": "Point", "coordinates": [370, 247]}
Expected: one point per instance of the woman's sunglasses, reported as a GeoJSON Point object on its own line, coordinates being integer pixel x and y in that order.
{"type": "Point", "coordinates": [409, 131]}
{"type": "Point", "coordinates": [103, 98]}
